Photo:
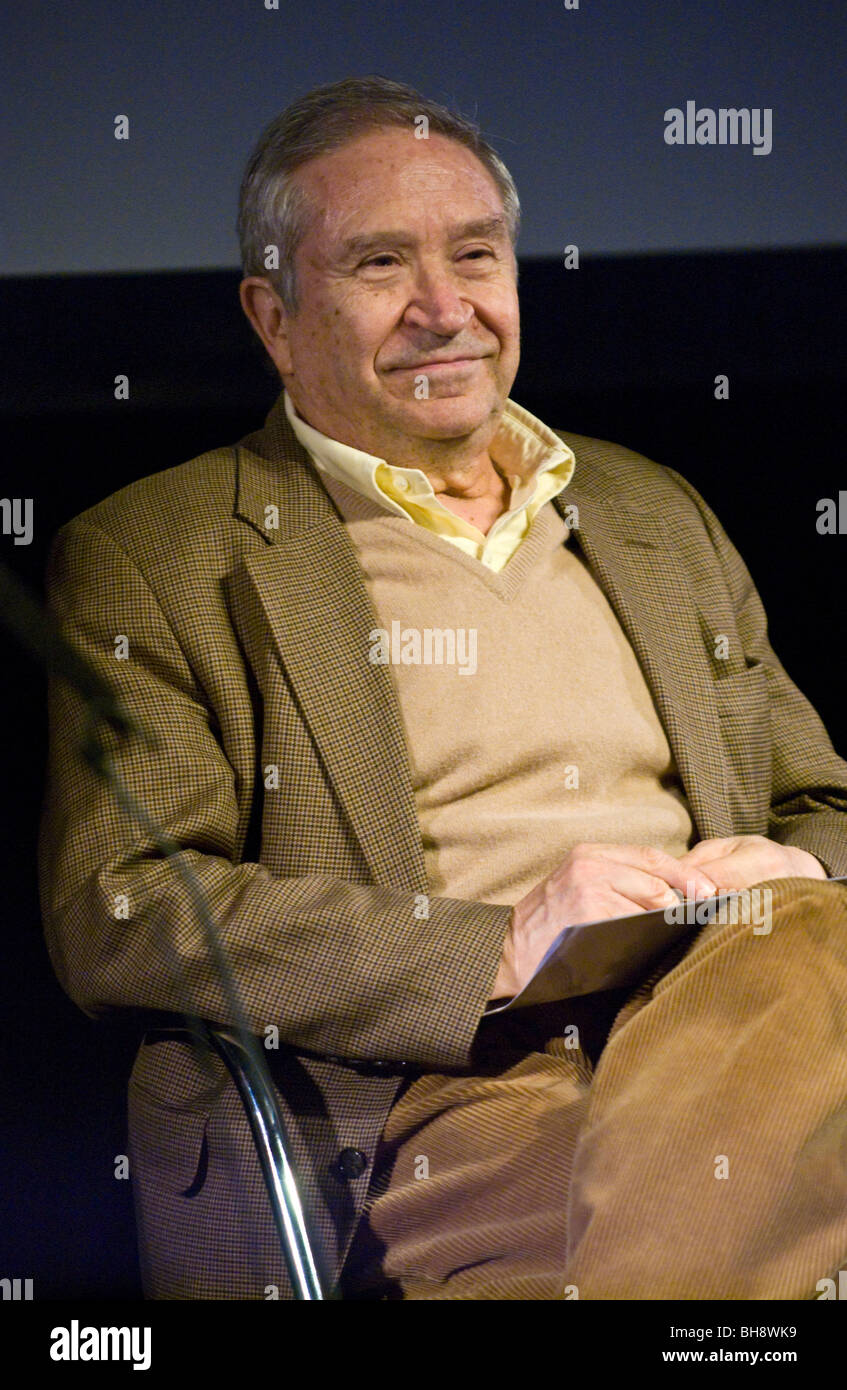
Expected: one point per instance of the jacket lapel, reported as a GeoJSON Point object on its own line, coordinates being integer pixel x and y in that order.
{"type": "Point", "coordinates": [310, 585]}
{"type": "Point", "coordinates": [629, 553]}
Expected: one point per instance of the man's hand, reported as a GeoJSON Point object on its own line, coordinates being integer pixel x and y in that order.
{"type": "Point", "coordinates": [593, 881]}
{"type": "Point", "coordinates": [739, 861]}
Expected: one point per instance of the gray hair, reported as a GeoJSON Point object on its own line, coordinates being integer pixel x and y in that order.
{"type": "Point", "coordinates": [274, 210]}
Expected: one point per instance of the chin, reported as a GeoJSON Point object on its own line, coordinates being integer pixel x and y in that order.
{"type": "Point", "coordinates": [447, 417]}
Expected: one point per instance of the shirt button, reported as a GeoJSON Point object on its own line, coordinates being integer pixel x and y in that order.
{"type": "Point", "coordinates": [350, 1163]}
{"type": "Point", "coordinates": [402, 484]}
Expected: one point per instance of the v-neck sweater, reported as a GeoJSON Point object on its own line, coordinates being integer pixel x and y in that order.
{"type": "Point", "coordinates": [529, 724]}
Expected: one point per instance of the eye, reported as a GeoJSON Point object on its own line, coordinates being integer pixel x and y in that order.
{"type": "Point", "coordinates": [478, 256]}
{"type": "Point", "coordinates": [384, 258]}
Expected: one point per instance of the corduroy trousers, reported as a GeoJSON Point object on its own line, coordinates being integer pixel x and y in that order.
{"type": "Point", "coordinates": [704, 1156]}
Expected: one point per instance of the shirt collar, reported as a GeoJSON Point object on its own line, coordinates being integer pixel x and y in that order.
{"type": "Point", "coordinates": [523, 448]}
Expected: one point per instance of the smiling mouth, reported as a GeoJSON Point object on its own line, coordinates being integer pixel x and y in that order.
{"type": "Point", "coordinates": [432, 366]}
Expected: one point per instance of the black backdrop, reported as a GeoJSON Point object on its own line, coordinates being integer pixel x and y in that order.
{"type": "Point", "coordinates": [625, 348]}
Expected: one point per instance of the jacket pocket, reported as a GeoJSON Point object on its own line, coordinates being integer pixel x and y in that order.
{"type": "Point", "coordinates": [170, 1097]}
{"type": "Point", "coordinates": [169, 1147]}
{"type": "Point", "coordinates": [173, 1073]}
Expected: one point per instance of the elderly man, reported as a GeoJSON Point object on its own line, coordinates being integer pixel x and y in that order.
{"type": "Point", "coordinates": [392, 827]}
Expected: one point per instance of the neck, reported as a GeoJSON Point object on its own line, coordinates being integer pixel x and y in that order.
{"type": "Point", "coordinates": [461, 471]}
{"type": "Point", "coordinates": [478, 493]}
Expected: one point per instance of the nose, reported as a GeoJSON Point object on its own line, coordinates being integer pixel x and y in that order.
{"type": "Point", "coordinates": [436, 304]}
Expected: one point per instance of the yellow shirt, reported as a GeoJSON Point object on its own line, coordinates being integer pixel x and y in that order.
{"type": "Point", "coordinates": [535, 461]}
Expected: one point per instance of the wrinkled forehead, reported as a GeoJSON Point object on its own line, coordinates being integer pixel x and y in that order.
{"type": "Point", "coordinates": [389, 179]}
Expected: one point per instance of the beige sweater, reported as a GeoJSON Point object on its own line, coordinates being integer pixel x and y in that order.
{"type": "Point", "coordinates": [535, 729]}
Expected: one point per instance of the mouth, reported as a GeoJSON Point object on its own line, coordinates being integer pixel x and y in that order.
{"type": "Point", "coordinates": [440, 364]}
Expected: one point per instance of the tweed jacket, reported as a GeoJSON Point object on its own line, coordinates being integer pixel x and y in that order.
{"type": "Point", "coordinates": [224, 602]}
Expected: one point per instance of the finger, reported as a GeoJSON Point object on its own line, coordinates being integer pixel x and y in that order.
{"type": "Point", "coordinates": [741, 869]}
{"type": "Point", "coordinates": [707, 850]}
{"type": "Point", "coordinates": [691, 880]}
{"type": "Point", "coordinates": [645, 890]}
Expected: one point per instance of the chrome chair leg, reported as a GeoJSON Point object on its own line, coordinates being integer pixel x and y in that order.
{"type": "Point", "coordinates": [269, 1137]}
{"type": "Point", "coordinates": [271, 1143]}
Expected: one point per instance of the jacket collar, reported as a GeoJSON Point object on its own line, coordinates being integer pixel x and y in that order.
{"type": "Point", "coordinates": [274, 471]}
{"type": "Point", "coordinates": [309, 583]}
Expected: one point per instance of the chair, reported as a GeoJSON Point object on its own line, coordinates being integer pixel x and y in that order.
{"type": "Point", "coordinates": [271, 1142]}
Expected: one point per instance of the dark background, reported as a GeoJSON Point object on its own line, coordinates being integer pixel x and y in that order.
{"type": "Point", "coordinates": [694, 262]}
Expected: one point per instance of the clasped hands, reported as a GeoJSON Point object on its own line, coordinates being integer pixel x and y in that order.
{"type": "Point", "coordinates": [595, 881]}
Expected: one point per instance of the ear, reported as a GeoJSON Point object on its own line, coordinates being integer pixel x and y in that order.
{"type": "Point", "coordinates": [264, 309]}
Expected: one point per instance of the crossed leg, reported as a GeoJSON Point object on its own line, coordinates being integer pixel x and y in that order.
{"type": "Point", "coordinates": [705, 1158]}
{"type": "Point", "coordinates": [712, 1162]}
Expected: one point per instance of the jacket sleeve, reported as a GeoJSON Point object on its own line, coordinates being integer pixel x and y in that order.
{"type": "Point", "coordinates": [809, 779]}
{"type": "Point", "coordinates": [343, 969]}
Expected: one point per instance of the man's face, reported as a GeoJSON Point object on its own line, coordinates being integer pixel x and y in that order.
{"type": "Point", "coordinates": [406, 263]}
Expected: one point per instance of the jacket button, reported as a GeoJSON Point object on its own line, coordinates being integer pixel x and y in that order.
{"type": "Point", "coordinates": [351, 1163]}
